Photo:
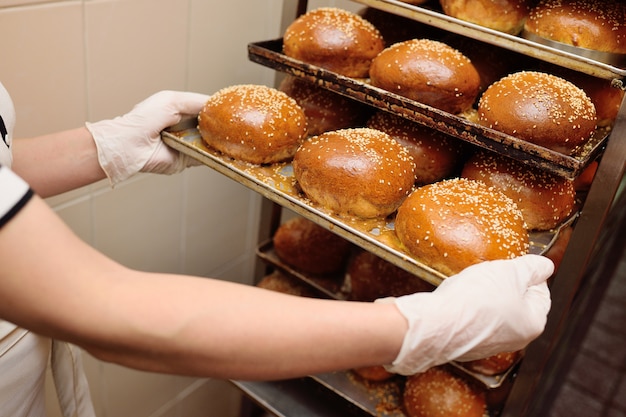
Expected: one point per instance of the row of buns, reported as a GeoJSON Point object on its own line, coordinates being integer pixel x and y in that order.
{"type": "Point", "coordinates": [302, 245]}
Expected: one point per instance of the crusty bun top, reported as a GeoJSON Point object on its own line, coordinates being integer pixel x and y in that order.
{"type": "Point", "coordinates": [359, 172]}
{"type": "Point", "coordinates": [335, 39]}
{"type": "Point", "coordinates": [435, 154]}
{"type": "Point", "coordinates": [253, 123]}
{"type": "Point", "coordinates": [439, 393]}
{"type": "Point", "coordinates": [545, 199]}
{"type": "Point", "coordinates": [324, 109]}
{"type": "Point", "coordinates": [504, 15]}
{"type": "Point", "coordinates": [540, 108]}
{"type": "Point", "coordinates": [599, 25]}
{"type": "Point", "coordinates": [452, 224]}
{"type": "Point", "coordinates": [427, 71]}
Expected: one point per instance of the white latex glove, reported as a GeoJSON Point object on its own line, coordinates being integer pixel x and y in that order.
{"type": "Point", "coordinates": [488, 308]}
{"type": "Point", "coordinates": [132, 143]}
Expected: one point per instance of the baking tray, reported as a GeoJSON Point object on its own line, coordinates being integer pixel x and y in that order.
{"type": "Point", "coordinates": [546, 51]}
{"type": "Point", "coordinates": [277, 183]}
{"type": "Point", "coordinates": [269, 54]}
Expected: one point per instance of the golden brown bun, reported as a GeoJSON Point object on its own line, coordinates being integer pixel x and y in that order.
{"type": "Point", "coordinates": [308, 247]}
{"type": "Point", "coordinates": [439, 393]}
{"type": "Point", "coordinates": [435, 154]}
{"type": "Point", "coordinates": [373, 373]}
{"type": "Point", "coordinates": [452, 224]}
{"type": "Point", "coordinates": [545, 199]}
{"type": "Point", "coordinates": [605, 97]}
{"type": "Point", "coordinates": [503, 15]}
{"type": "Point", "coordinates": [334, 39]}
{"type": "Point", "coordinates": [492, 63]}
{"type": "Point", "coordinates": [356, 172]}
{"type": "Point", "coordinates": [371, 277]}
{"type": "Point", "coordinates": [540, 108]}
{"type": "Point", "coordinates": [324, 109]}
{"type": "Point", "coordinates": [427, 71]}
{"type": "Point", "coordinates": [279, 282]}
{"type": "Point", "coordinates": [252, 123]}
{"type": "Point", "coordinates": [495, 364]}
{"type": "Point", "coordinates": [599, 25]}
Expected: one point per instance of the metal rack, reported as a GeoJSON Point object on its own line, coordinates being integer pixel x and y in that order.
{"type": "Point", "coordinates": [576, 284]}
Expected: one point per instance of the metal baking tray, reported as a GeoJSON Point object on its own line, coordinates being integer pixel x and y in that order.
{"type": "Point", "coordinates": [277, 183]}
{"type": "Point", "coordinates": [269, 53]}
{"type": "Point", "coordinates": [549, 52]}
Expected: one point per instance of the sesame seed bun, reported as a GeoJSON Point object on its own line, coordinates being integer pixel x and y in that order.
{"type": "Point", "coordinates": [504, 15]}
{"type": "Point", "coordinates": [334, 39]}
{"type": "Point", "coordinates": [452, 224]}
{"type": "Point", "coordinates": [427, 71]}
{"type": "Point", "coordinates": [325, 110]}
{"type": "Point", "coordinates": [540, 108]}
{"type": "Point", "coordinates": [308, 247]}
{"type": "Point", "coordinates": [599, 25]}
{"type": "Point", "coordinates": [358, 172]}
{"type": "Point", "coordinates": [371, 277]}
{"type": "Point", "coordinates": [435, 154]}
{"type": "Point", "coordinates": [252, 123]}
{"type": "Point", "coordinates": [545, 199]}
{"type": "Point", "coordinates": [439, 393]}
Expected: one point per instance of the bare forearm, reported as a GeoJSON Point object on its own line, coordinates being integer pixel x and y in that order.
{"type": "Point", "coordinates": [58, 162]}
{"type": "Point", "coordinates": [213, 328]}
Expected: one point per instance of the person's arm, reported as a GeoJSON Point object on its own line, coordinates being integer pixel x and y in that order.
{"type": "Point", "coordinates": [59, 162]}
{"type": "Point", "coordinates": [115, 149]}
{"type": "Point", "coordinates": [53, 283]}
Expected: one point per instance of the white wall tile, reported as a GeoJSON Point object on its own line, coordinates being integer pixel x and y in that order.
{"type": "Point", "coordinates": [43, 66]}
{"type": "Point", "coordinates": [134, 49]}
{"type": "Point", "coordinates": [139, 223]}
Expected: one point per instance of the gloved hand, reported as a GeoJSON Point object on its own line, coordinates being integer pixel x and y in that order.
{"type": "Point", "coordinates": [132, 143]}
{"type": "Point", "coordinates": [488, 308]}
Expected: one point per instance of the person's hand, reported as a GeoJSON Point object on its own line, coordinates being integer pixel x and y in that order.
{"type": "Point", "coordinates": [488, 308]}
{"type": "Point", "coordinates": [132, 143]}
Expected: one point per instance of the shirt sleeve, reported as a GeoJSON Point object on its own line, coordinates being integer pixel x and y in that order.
{"type": "Point", "coordinates": [14, 194]}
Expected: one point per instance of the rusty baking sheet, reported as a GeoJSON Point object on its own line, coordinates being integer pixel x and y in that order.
{"type": "Point", "coordinates": [546, 51]}
{"type": "Point", "coordinates": [269, 53]}
{"type": "Point", "coordinates": [277, 183]}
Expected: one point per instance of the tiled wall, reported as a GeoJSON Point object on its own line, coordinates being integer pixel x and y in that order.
{"type": "Point", "coordinates": [65, 62]}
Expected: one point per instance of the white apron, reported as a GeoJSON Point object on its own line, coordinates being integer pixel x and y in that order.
{"type": "Point", "coordinates": [24, 356]}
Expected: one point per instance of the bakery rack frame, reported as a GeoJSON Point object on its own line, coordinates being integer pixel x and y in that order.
{"type": "Point", "coordinates": [583, 276]}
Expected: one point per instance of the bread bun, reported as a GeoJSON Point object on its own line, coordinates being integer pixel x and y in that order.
{"type": "Point", "coordinates": [495, 364]}
{"type": "Point", "coordinates": [439, 393]}
{"type": "Point", "coordinates": [545, 199]}
{"type": "Point", "coordinates": [279, 282]}
{"type": "Point", "coordinates": [252, 123]}
{"type": "Point", "coordinates": [310, 248]}
{"type": "Point", "coordinates": [452, 224]}
{"type": "Point", "coordinates": [539, 108]}
{"type": "Point", "coordinates": [371, 277]}
{"type": "Point", "coordinates": [324, 109]}
{"type": "Point", "coordinates": [334, 39]}
{"type": "Point", "coordinates": [427, 71]}
{"type": "Point", "coordinates": [436, 155]}
{"type": "Point", "coordinates": [375, 373]}
{"type": "Point", "coordinates": [503, 15]}
{"type": "Point", "coordinates": [599, 25]}
{"type": "Point", "coordinates": [355, 172]}
{"type": "Point", "coordinates": [605, 97]}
